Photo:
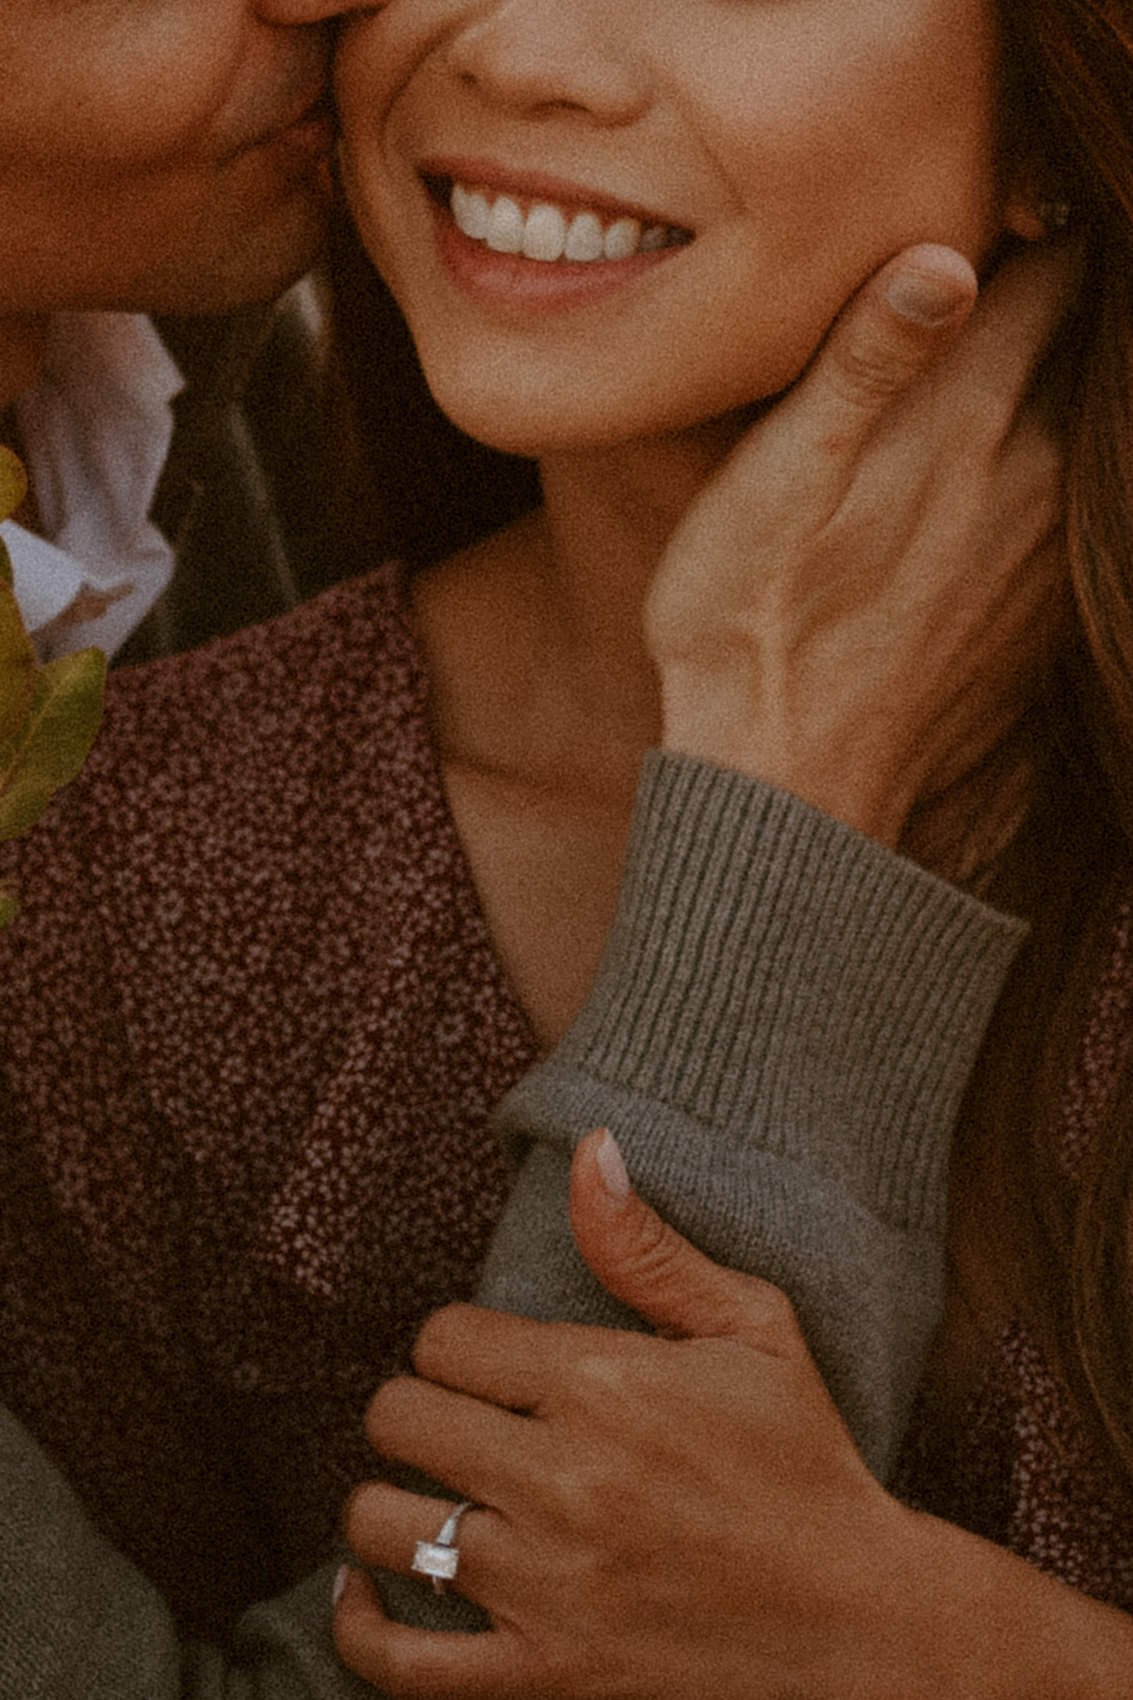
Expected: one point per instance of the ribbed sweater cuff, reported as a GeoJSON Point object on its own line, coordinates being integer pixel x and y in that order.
{"type": "Point", "coordinates": [788, 983]}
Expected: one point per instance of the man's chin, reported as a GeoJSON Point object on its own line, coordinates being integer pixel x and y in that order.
{"type": "Point", "coordinates": [218, 268]}
{"type": "Point", "coordinates": [228, 295]}
{"type": "Point", "coordinates": [243, 276]}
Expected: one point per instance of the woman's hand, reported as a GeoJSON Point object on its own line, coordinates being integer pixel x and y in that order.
{"type": "Point", "coordinates": [658, 1519]}
{"type": "Point", "coordinates": [860, 604]}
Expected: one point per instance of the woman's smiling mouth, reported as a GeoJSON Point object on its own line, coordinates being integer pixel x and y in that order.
{"type": "Point", "coordinates": [534, 238]}
{"type": "Point", "coordinates": [545, 231]}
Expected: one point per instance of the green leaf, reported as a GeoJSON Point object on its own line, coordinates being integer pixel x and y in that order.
{"type": "Point", "coordinates": [48, 750]}
{"type": "Point", "coordinates": [17, 666]}
{"type": "Point", "coordinates": [13, 482]}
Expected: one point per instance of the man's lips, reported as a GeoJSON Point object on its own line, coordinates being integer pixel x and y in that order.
{"type": "Point", "coordinates": [313, 121]}
{"type": "Point", "coordinates": [315, 129]}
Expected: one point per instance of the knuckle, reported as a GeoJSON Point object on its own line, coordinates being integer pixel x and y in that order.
{"type": "Point", "coordinates": [596, 1377]}
{"type": "Point", "coordinates": [778, 1318]}
{"type": "Point", "coordinates": [872, 371]}
{"type": "Point", "coordinates": [656, 1247]}
{"type": "Point", "coordinates": [387, 1408]}
{"type": "Point", "coordinates": [438, 1334]}
{"type": "Point", "coordinates": [581, 1492]}
{"type": "Point", "coordinates": [356, 1517]}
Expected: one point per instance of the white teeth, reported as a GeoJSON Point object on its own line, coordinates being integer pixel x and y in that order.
{"type": "Point", "coordinates": [544, 237]}
{"type": "Point", "coordinates": [584, 238]}
{"type": "Point", "coordinates": [548, 234]}
{"type": "Point", "coordinates": [622, 239]}
{"type": "Point", "coordinates": [471, 212]}
{"type": "Point", "coordinates": [505, 227]}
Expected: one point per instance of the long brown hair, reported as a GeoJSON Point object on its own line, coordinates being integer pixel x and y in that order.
{"type": "Point", "coordinates": [417, 487]}
{"type": "Point", "coordinates": [1064, 1126]}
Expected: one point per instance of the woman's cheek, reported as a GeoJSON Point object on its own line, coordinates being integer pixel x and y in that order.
{"type": "Point", "coordinates": [378, 52]}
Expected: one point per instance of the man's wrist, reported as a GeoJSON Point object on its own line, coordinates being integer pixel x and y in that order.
{"type": "Point", "coordinates": [716, 717]}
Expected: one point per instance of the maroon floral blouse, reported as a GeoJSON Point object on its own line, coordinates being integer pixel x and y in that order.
{"type": "Point", "coordinates": [251, 1028]}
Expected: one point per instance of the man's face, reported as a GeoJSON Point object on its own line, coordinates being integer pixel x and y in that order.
{"type": "Point", "coordinates": [160, 155]}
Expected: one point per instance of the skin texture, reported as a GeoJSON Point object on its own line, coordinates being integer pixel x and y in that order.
{"type": "Point", "coordinates": [803, 143]}
{"type": "Point", "coordinates": [795, 140]}
{"type": "Point", "coordinates": [764, 281]}
{"type": "Point", "coordinates": [791, 621]}
{"type": "Point", "coordinates": [882, 493]}
{"type": "Point", "coordinates": [797, 1579]}
{"type": "Point", "coordinates": [138, 164]}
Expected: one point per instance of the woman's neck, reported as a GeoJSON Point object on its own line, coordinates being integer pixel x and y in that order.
{"type": "Point", "coordinates": [543, 701]}
{"type": "Point", "coordinates": [609, 517]}
{"type": "Point", "coordinates": [607, 520]}
{"type": "Point", "coordinates": [534, 638]}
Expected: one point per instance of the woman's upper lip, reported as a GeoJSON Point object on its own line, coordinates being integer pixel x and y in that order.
{"type": "Point", "coordinates": [542, 186]}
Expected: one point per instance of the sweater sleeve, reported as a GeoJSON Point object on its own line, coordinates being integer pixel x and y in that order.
{"type": "Point", "coordinates": [779, 1037]}
{"type": "Point", "coordinates": [77, 1622]}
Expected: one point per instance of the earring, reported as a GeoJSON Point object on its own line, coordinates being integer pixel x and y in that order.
{"type": "Point", "coordinates": [1055, 214]}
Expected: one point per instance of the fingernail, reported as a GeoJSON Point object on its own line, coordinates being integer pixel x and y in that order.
{"type": "Point", "coordinates": [923, 298]}
{"type": "Point", "coordinates": [611, 1167]}
{"type": "Point", "coordinates": [342, 1575]}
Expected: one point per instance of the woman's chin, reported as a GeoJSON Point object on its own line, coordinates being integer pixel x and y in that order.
{"type": "Point", "coordinates": [538, 426]}
{"type": "Point", "coordinates": [565, 395]}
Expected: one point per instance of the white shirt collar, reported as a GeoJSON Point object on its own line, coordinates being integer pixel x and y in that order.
{"type": "Point", "coordinates": [96, 429]}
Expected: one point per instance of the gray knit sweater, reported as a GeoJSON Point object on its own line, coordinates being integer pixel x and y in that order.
{"type": "Point", "coordinates": [77, 1622]}
{"type": "Point", "coordinates": [779, 1036]}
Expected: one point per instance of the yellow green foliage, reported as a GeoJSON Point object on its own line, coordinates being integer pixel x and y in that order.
{"type": "Point", "coordinates": [49, 714]}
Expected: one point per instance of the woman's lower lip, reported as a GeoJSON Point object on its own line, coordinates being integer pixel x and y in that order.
{"type": "Point", "coordinates": [510, 280]}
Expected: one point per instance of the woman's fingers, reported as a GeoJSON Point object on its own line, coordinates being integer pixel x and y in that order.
{"type": "Point", "coordinates": [890, 336]}
{"type": "Point", "coordinates": [650, 1267]}
{"type": "Point", "coordinates": [383, 1525]}
{"type": "Point", "coordinates": [415, 1663]}
{"type": "Point", "coordinates": [477, 1449]}
{"type": "Point", "coordinates": [487, 1353]}
{"type": "Point", "coordinates": [792, 470]}
{"type": "Point", "coordinates": [631, 1557]}
{"type": "Point", "coordinates": [868, 546]}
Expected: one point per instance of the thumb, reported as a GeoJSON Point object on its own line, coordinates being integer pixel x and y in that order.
{"type": "Point", "coordinates": [893, 329]}
{"type": "Point", "coordinates": [651, 1268]}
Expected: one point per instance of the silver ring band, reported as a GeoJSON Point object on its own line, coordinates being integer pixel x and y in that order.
{"type": "Point", "coordinates": [439, 1559]}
